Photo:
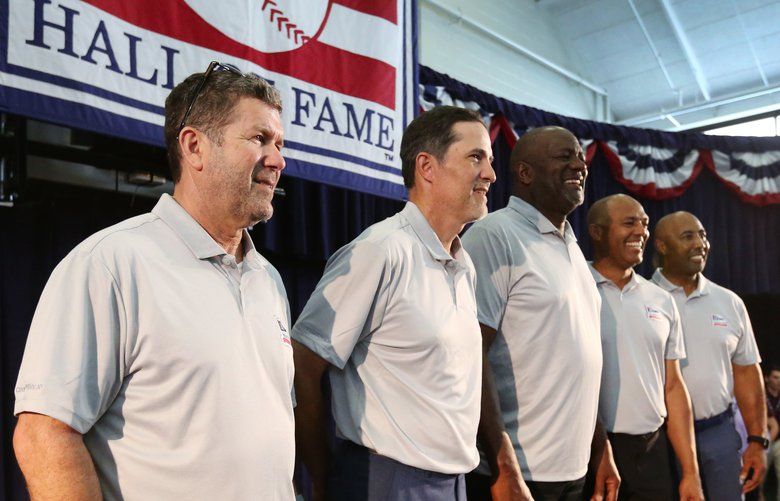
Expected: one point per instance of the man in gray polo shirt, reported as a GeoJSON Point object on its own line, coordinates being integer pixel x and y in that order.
{"type": "Point", "coordinates": [158, 364]}
{"type": "Point", "coordinates": [721, 360]}
{"type": "Point", "coordinates": [394, 323]}
{"type": "Point", "coordinates": [642, 343]}
{"type": "Point", "coordinates": [539, 310]}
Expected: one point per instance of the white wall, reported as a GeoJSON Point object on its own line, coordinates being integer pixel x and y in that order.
{"type": "Point", "coordinates": [454, 48]}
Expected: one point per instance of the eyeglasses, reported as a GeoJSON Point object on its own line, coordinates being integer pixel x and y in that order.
{"type": "Point", "coordinates": [213, 66]}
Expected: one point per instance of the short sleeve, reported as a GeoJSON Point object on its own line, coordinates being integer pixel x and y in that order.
{"type": "Point", "coordinates": [348, 302]}
{"type": "Point", "coordinates": [493, 268]}
{"type": "Point", "coordinates": [747, 350]}
{"type": "Point", "coordinates": [675, 346]}
{"type": "Point", "coordinates": [73, 362]}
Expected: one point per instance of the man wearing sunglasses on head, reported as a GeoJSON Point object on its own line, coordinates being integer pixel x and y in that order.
{"type": "Point", "coordinates": [158, 364]}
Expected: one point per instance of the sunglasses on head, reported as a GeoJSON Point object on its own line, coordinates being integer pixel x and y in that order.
{"type": "Point", "coordinates": [213, 66]}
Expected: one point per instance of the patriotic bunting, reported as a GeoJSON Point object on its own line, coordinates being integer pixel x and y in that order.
{"type": "Point", "coordinates": [647, 170]}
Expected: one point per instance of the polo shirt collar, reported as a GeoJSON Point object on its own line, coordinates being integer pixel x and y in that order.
{"type": "Point", "coordinates": [195, 237]}
{"type": "Point", "coordinates": [428, 237]}
{"type": "Point", "coordinates": [702, 288]}
{"type": "Point", "coordinates": [538, 219]}
{"type": "Point", "coordinates": [252, 258]}
{"type": "Point", "coordinates": [601, 279]}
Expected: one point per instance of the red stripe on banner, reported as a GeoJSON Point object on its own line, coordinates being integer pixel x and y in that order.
{"type": "Point", "coordinates": [314, 62]}
{"type": "Point", "coordinates": [590, 152]}
{"type": "Point", "coordinates": [499, 123]}
{"type": "Point", "coordinates": [509, 134]}
{"type": "Point", "coordinates": [386, 9]}
{"type": "Point", "coordinates": [705, 156]}
{"type": "Point", "coordinates": [495, 128]}
{"type": "Point", "coordinates": [648, 190]}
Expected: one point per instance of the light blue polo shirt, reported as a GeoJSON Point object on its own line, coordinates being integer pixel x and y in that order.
{"type": "Point", "coordinates": [177, 370]}
{"type": "Point", "coordinates": [717, 333]}
{"type": "Point", "coordinates": [395, 314]}
{"type": "Point", "coordinates": [640, 331]}
{"type": "Point", "coordinates": [534, 287]}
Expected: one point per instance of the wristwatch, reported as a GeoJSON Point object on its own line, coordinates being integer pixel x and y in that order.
{"type": "Point", "coordinates": [763, 441]}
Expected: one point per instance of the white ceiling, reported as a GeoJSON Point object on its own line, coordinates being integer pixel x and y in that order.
{"type": "Point", "coordinates": [733, 45]}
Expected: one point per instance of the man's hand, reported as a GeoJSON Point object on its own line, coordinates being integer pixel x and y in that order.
{"type": "Point", "coordinates": [607, 478]}
{"type": "Point", "coordinates": [690, 488]}
{"type": "Point", "coordinates": [755, 460]}
{"type": "Point", "coordinates": [749, 391]}
{"type": "Point", "coordinates": [509, 484]}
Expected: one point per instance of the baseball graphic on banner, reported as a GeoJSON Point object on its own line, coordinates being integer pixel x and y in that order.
{"type": "Point", "coordinates": [274, 25]}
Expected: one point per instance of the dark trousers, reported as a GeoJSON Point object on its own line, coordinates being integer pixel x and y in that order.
{"type": "Point", "coordinates": [645, 465]}
{"type": "Point", "coordinates": [361, 475]}
{"type": "Point", "coordinates": [717, 447]}
{"type": "Point", "coordinates": [478, 489]}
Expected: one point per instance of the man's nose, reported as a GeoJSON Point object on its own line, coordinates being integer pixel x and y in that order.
{"type": "Point", "coordinates": [274, 159]}
{"type": "Point", "coordinates": [579, 164]}
{"type": "Point", "coordinates": [489, 173]}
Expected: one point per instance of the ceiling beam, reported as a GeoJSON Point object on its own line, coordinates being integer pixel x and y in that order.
{"type": "Point", "coordinates": [683, 110]}
{"type": "Point", "coordinates": [652, 45]}
{"type": "Point", "coordinates": [436, 4]}
{"type": "Point", "coordinates": [750, 44]}
{"type": "Point", "coordinates": [682, 38]}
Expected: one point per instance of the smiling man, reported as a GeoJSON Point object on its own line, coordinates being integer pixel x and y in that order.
{"type": "Point", "coordinates": [721, 360]}
{"type": "Point", "coordinates": [643, 398]}
{"type": "Point", "coordinates": [156, 366]}
{"type": "Point", "coordinates": [539, 313]}
{"type": "Point", "coordinates": [393, 322]}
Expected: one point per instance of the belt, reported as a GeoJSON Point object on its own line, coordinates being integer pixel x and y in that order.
{"type": "Point", "coordinates": [642, 437]}
{"type": "Point", "coordinates": [704, 424]}
{"type": "Point", "coordinates": [349, 444]}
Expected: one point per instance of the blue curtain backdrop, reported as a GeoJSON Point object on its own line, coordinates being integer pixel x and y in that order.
{"type": "Point", "coordinates": [313, 220]}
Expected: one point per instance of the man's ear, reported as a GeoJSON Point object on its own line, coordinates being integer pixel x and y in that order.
{"type": "Point", "coordinates": [424, 166]}
{"type": "Point", "coordinates": [524, 173]}
{"type": "Point", "coordinates": [660, 246]}
{"type": "Point", "coordinates": [596, 232]}
{"type": "Point", "coordinates": [192, 147]}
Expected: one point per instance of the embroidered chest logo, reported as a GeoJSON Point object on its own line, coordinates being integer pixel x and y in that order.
{"type": "Point", "coordinates": [283, 334]}
{"type": "Point", "coordinates": [653, 313]}
{"type": "Point", "coordinates": [719, 321]}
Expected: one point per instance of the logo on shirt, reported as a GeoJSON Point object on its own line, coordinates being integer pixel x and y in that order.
{"type": "Point", "coordinates": [285, 337]}
{"type": "Point", "coordinates": [719, 321]}
{"type": "Point", "coordinates": [653, 313]}
{"type": "Point", "coordinates": [28, 387]}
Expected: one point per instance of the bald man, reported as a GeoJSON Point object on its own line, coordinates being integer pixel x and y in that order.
{"type": "Point", "coordinates": [641, 342]}
{"type": "Point", "coordinates": [721, 360]}
{"type": "Point", "coordinates": [539, 312]}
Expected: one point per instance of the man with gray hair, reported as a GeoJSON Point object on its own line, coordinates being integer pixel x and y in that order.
{"type": "Point", "coordinates": [393, 322]}
{"type": "Point", "coordinates": [158, 364]}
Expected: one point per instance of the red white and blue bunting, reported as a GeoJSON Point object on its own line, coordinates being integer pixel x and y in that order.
{"type": "Point", "coordinates": [648, 170]}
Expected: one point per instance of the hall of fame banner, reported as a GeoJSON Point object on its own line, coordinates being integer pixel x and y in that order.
{"type": "Point", "coordinates": [346, 70]}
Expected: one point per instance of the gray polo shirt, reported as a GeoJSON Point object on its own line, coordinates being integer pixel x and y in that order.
{"type": "Point", "coordinates": [177, 370]}
{"type": "Point", "coordinates": [640, 330]}
{"type": "Point", "coordinates": [395, 315]}
{"type": "Point", "coordinates": [717, 333]}
{"type": "Point", "coordinates": [534, 287]}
